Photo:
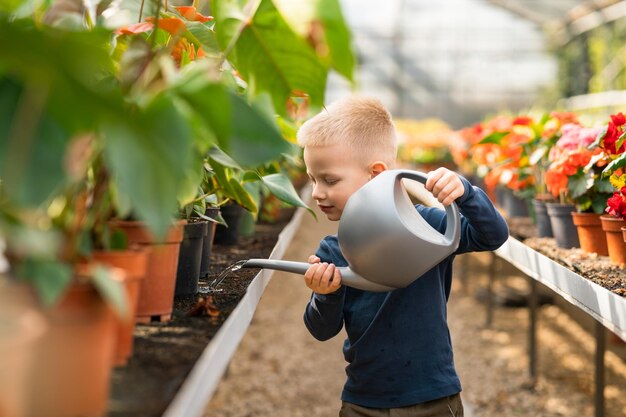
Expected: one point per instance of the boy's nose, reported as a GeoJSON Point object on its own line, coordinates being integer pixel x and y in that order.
{"type": "Point", "coordinates": [317, 193]}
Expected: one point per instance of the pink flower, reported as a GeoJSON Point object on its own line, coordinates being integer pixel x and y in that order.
{"type": "Point", "coordinates": [575, 136]}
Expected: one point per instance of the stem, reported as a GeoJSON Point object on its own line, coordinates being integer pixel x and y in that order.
{"type": "Point", "coordinates": [156, 24]}
{"type": "Point", "coordinates": [140, 11]}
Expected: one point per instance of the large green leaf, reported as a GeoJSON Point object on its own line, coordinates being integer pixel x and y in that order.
{"type": "Point", "coordinates": [255, 138]}
{"type": "Point", "coordinates": [32, 146]}
{"type": "Point", "coordinates": [322, 23]}
{"type": "Point", "coordinates": [268, 54]}
{"type": "Point", "coordinates": [203, 35]}
{"type": "Point", "coordinates": [148, 160]}
{"type": "Point", "coordinates": [282, 188]}
{"type": "Point", "coordinates": [578, 184]}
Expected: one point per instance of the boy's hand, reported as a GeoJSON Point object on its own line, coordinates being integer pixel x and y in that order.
{"type": "Point", "coordinates": [445, 185]}
{"type": "Point", "coordinates": [322, 278]}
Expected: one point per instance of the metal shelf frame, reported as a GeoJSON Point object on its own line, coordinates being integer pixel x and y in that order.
{"type": "Point", "coordinates": [608, 309]}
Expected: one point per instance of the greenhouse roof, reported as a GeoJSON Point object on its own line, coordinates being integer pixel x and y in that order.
{"type": "Point", "coordinates": [565, 19]}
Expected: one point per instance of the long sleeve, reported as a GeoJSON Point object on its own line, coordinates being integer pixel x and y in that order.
{"type": "Point", "coordinates": [482, 226]}
{"type": "Point", "coordinates": [323, 315]}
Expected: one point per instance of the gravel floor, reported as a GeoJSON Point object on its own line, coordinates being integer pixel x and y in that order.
{"type": "Point", "coordinates": [279, 370]}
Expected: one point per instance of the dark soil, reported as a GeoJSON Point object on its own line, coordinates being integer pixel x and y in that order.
{"type": "Point", "coordinates": [598, 269]}
{"type": "Point", "coordinates": [164, 353]}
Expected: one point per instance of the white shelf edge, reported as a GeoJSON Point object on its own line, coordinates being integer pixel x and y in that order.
{"type": "Point", "coordinates": [603, 305]}
{"type": "Point", "coordinates": [199, 386]}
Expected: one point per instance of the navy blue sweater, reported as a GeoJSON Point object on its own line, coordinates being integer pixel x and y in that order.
{"type": "Point", "coordinates": [398, 348]}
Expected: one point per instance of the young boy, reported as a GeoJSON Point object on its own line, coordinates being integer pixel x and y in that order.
{"type": "Point", "coordinates": [398, 349]}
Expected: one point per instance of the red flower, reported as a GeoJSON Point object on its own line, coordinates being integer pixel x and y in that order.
{"type": "Point", "coordinates": [618, 119]}
{"type": "Point", "coordinates": [616, 205]}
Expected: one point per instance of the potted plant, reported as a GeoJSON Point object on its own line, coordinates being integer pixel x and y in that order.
{"type": "Point", "coordinates": [611, 141]}
{"type": "Point", "coordinates": [574, 177]}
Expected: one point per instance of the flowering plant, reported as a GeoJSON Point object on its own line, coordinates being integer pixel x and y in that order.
{"type": "Point", "coordinates": [611, 141]}
{"type": "Point", "coordinates": [500, 155]}
{"type": "Point", "coordinates": [574, 174]}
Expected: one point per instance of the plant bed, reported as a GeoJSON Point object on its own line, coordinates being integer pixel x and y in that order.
{"type": "Point", "coordinates": [598, 269]}
{"type": "Point", "coordinates": [165, 353]}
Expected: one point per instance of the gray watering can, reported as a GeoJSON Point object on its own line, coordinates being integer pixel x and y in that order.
{"type": "Point", "coordinates": [385, 240]}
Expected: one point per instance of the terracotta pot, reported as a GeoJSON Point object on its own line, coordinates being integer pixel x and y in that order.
{"type": "Point", "coordinates": [156, 298]}
{"type": "Point", "coordinates": [73, 362]}
{"type": "Point", "coordinates": [590, 234]}
{"type": "Point", "coordinates": [21, 327]}
{"type": "Point", "coordinates": [563, 228]}
{"type": "Point", "coordinates": [624, 232]}
{"type": "Point", "coordinates": [612, 226]}
{"type": "Point", "coordinates": [135, 264]}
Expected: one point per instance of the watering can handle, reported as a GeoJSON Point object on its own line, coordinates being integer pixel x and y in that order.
{"type": "Point", "coordinates": [453, 217]}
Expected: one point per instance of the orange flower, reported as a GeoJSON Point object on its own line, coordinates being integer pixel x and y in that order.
{"type": "Point", "coordinates": [190, 13]}
{"type": "Point", "coordinates": [173, 25]}
{"type": "Point", "coordinates": [183, 45]}
{"type": "Point", "coordinates": [556, 182]}
{"type": "Point", "coordinates": [134, 29]}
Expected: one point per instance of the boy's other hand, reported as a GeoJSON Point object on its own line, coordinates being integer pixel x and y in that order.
{"type": "Point", "coordinates": [322, 277]}
{"type": "Point", "coordinates": [445, 185]}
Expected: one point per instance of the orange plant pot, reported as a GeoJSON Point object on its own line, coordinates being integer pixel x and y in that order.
{"type": "Point", "coordinates": [612, 226]}
{"type": "Point", "coordinates": [134, 263]}
{"type": "Point", "coordinates": [590, 234]}
{"type": "Point", "coordinates": [156, 297]}
{"type": "Point", "coordinates": [72, 368]}
{"type": "Point", "coordinates": [21, 327]}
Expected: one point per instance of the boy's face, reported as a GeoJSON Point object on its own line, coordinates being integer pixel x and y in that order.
{"type": "Point", "coordinates": [335, 175]}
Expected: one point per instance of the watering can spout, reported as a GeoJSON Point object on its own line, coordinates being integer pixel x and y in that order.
{"type": "Point", "coordinates": [348, 277]}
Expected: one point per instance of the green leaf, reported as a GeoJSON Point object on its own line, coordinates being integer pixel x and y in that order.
{"type": "Point", "coordinates": [620, 141]}
{"type": "Point", "coordinates": [337, 37]}
{"type": "Point", "coordinates": [596, 143]}
{"type": "Point", "coordinates": [267, 53]}
{"type": "Point", "coordinates": [222, 158]}
{"type": "Point", "coordinates": [256, 139]}
{"type": "Point", "coordinates": [203, 36]}
{"type": "Point", "coordinates": [32, 146]}
{"type": "Point", "coordinates": [148, 160]}
{"type": "Point", "coordinates": [614, 165]}
{"type": "Point", "coordinates": [577, 185]}
{"type": "Point", "coordinates": [282, 188]}
{"type": "Point", "coordinates": [598, 202]}
{"type": "Point", "coordinates": [495, 137]}
{"type": "Point", "coordinates": [242, 196]}
{"type": "Point", "coordinates": [50, 278]}
{"type": "Point", "coordinates": [603, 185]}
{"type": "Point", "coordinates": [111, 290]}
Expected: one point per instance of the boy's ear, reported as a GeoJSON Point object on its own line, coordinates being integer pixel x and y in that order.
{"type": "Point", "coordinates": [377, 167]}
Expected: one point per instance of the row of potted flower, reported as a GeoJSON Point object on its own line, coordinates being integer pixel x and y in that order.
{"type": "Point", "coordinates": [114, 136]}
{"type": "Point", "coordinates": [571, 171]}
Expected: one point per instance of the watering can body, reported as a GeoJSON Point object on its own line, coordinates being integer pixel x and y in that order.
{"type": "Point", "coordinates": [385, 240]}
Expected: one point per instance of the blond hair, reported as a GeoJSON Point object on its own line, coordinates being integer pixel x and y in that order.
{"type": "Point", "coordinates": [362, 123]}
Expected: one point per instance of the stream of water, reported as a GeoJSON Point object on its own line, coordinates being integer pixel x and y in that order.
{"type": "Point", "coordinates": [213, 286]}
